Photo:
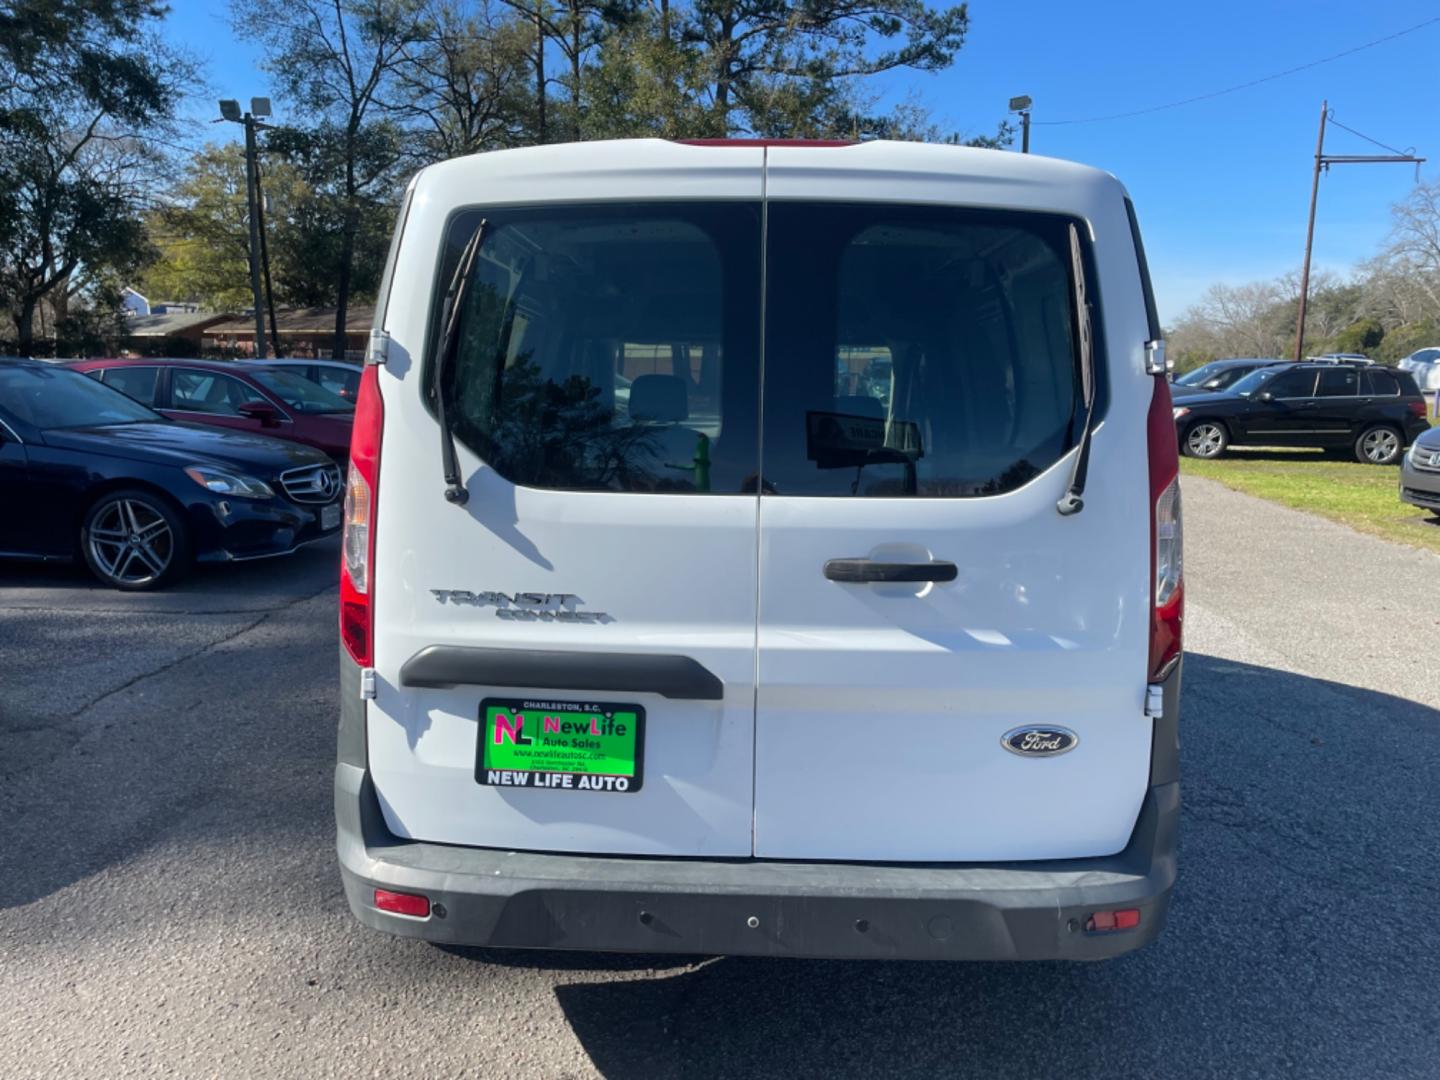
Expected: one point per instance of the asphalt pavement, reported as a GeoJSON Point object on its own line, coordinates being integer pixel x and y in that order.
{"type": "Point", "coordinates": [169, 903]}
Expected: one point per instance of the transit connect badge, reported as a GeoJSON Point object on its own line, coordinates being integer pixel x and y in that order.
{"type": "Point", "coordinates": [1034, 741]}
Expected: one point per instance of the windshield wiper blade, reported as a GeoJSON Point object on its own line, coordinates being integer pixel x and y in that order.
{"type": "Point", "coordinates": [455, 490]}
{"type": "Point", "coordinates": [1072, 502]}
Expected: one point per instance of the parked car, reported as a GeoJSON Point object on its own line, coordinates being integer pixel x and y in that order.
{"type": "Point", "coordinates": [90, 473]}
{"type": "Point", "coordinates": [1373, 412]}
{"type": "Point", "coordinates": [340, 377]}
{"type": "Point", "coordinates": [1424, 366]}
{"type": "Point", "coordinates": [1420, 472]}
{"type": "Point", "coordinates": [760, 664]}
{"type": "Point", "coordinates": [239, 395]}
{"type": "Point", "coordinates": [1216, 375]}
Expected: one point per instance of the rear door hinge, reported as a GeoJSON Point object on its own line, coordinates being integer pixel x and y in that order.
{"type": "Point", "coordinates": [378, 351]}
{"type": "Point", "coordinates": [1154, 700]}
{"type": "Point", "coordinates": [1157, 362]}
{"type": "Point", "coordinates": [367, 684]}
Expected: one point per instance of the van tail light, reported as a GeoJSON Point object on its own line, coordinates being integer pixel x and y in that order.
{"type": "Point", "coordinates": [1167, 583]}
{"type": "Point", "coordinates": [357, 592]}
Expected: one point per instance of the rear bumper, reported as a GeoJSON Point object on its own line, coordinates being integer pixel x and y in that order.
{"type": "Point", "coordinates": [1013, 911]}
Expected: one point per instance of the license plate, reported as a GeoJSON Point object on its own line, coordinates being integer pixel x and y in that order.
{"type": "Point", "coordinates": [330, 516]}
{"type": "Point", "coordinates": [567, 745]}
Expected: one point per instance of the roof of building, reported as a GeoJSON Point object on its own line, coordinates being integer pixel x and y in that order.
{"type": "Point", "coordinates": [358, 320]}
{"type": "Point", "coordinates": [171, 322]}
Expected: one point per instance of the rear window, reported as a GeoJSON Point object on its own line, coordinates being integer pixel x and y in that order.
{"type": "Point", "coordinates": [1381, 384]}
{"type": "Point", "coordinates": [907, 351]}
{"type": "Point", "coordinates": [916, 351]}
{"type": "Point", "coordinates": [610, 348]}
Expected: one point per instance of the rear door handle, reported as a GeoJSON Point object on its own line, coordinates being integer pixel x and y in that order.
{"type": "Point", "coordinates": [866, 570]}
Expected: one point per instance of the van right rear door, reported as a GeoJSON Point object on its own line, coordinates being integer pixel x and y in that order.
{"type": "Point", "coordinates": [921, 598]}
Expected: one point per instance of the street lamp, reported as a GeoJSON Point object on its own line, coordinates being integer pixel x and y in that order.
{"type": "Point", "coordinates": [230, 110]}
{"type": "Point", "coordinates": [1021, 105]}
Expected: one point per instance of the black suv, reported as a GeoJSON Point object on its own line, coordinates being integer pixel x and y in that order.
{"type": "Point", "coordinates": [1373, 412]}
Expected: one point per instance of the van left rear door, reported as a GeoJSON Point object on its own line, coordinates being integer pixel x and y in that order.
{"type": "Point", "coordinates": [602, 572]}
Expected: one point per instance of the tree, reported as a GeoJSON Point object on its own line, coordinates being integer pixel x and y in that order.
{"type": "Point", "coordinates": [780, 68]}
{"type": "Point", "coordinates": [1412, 250]}
{"type": "Point", "coordinates": [467, 81]}
{"type": "Point", "coordinates": [328, 227]}
{"type": "Point", "coordinates": [202, 235]}
{"type": "Point", "coordinates": [338, 61]}
{"type": "Point", "coordinates": [82, 85]}
{"type": "Point", "coordinates": [647, 84]}
{"type": "Point", "coordinates": [1362, 336]}
{"type": "Point", "coordinates": [772, 68]}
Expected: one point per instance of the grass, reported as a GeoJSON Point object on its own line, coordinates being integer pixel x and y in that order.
{"type": "Point", "coordinates": [1365, 497]}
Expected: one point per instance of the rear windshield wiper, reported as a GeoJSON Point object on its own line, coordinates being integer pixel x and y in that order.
{"type": "Point", "coordinates": [455, 491]}
{"type": "Point", "coordinates": [1072, 502]}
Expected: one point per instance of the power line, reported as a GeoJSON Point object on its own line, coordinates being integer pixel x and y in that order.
{"type": "Point", "coordinates": [1247, 85]}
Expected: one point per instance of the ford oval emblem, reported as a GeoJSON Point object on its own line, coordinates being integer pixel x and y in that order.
{"type": "Point", "coordinates": [1036, 741]}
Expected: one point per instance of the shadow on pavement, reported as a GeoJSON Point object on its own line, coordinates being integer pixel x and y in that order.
{"type": "Point", "coordinates": [1301, 942]}
{"type": "Point", "coordinates": [561, 960]}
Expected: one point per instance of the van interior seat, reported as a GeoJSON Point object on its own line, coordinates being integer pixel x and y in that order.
{"type": "Point", "coordinates": [659, 398]}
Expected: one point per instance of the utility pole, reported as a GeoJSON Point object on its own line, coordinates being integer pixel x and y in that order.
{"type": "Point", "coordinates": [1324, 161]}
{"type": "Point", "coordinates": [230, 110]}
{"type": "Point", "coordinates": [1021, 105]}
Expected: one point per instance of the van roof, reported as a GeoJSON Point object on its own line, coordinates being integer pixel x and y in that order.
{"type": "Point", "coordinates": [897, 171]}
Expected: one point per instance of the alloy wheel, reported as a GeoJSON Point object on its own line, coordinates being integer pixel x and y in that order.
{"type": "Point", "coordinates": [1380, 445]}
{"type": "Point", "coordinates": [1205, 440]}
{"type": "Point", "coordinates": [131, 542]}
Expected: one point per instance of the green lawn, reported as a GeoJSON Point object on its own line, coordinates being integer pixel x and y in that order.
{"type": "Point", "coordinates": [1365, 497]}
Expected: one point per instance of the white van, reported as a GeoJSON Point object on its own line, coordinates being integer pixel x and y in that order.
{"type": "Point", "coordinates": [763, 547]}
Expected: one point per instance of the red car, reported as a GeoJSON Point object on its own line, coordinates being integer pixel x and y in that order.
{"type": "Point", "coordinates": [243, 396]}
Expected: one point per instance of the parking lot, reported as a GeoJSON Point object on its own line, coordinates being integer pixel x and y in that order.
{"type": "Point", "coordinates": [169, 902]}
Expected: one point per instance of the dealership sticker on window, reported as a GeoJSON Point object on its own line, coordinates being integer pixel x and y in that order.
{"type": "Point", "coordinates": [572, 745]}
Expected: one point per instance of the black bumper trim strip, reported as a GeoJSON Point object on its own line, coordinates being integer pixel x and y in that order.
{"type": "Point", "coordinates": [671, 676]}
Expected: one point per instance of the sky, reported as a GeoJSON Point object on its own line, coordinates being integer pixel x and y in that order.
{"type": "Point", "coordinates": [1222, 186]}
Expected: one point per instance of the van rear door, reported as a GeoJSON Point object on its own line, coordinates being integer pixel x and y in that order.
{"type": "Point", "coordinates": [598, 588]}
{"type": "Point", "coordinates": [920, 595]}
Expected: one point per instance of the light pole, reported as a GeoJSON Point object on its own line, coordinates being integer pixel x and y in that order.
{"type": "Point", "coordinates": [1021, 105]}
{"type": "Point", "coordinates": [230, 110]}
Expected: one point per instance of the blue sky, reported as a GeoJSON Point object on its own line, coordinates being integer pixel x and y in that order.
{"type": "Point", "coordinates": [1222, 186]}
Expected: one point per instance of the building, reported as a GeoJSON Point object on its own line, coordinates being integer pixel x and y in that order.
{"type": "Point", "coordinates": [306, 332]}
{"type": "Point", "coordinates": [170, 333]}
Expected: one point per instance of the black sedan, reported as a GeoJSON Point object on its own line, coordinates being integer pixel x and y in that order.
{"type": "Point", "coordinates": [1216, 375]}
{"type": "Point", "coordinates": [1369, 411]}
{"type": "Point", "coordinates": [88, 472]}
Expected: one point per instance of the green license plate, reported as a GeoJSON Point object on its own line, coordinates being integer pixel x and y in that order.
{"type": "Point", "coordinates": [571, 745]}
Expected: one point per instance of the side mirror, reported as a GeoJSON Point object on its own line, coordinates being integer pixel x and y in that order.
{"type": "Point", "coordinates": [262, 411]}
{"type": "Point", "coordinates": [1265, 396]}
